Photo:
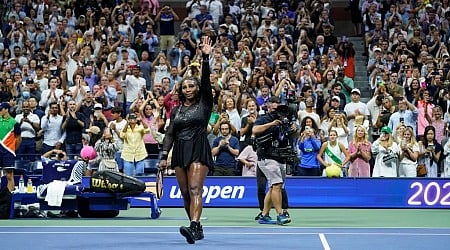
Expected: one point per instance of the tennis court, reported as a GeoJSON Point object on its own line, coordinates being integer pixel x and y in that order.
{"type": "Point", "coordinates": [234, 228]}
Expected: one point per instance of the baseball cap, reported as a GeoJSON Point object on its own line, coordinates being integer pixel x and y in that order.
{"type": "Point", "coordinates": [428, 6]}
{"type": "Point", "coordinates": [94, 129]}
{"type": "Point", "coordinates": [30, 81]}
{"type": "Point", "coordinates": [355, 90]}
{"type": "Point", "coordinates": [5, 105]}
{"type": "Point", "coordinates": [284, 5]}
{"type": "Point", "coordinates": [275, 99]}
{"type": "Point", "coordinates": [337, 98]}
{"type": "Point", "coordinates": [98, 106]}
{"type": "Point", "coordinates": [132, 116]}
{"type": "Point", "coordinates": [386, 130]}
{"type": "Point", "coordinates": [377, 49]}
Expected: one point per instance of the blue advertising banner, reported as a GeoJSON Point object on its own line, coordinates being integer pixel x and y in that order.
{"type": "Point", "coordinates": [318, 192]}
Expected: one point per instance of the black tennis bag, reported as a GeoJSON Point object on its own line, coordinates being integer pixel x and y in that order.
{"type": "Point", "coordinates": [115, 182]}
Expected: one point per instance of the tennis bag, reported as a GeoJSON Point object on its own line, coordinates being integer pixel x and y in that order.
{"type": "Point", "coordinates": [114, 182]}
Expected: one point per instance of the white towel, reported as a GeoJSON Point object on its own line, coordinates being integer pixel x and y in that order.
{"type": "Point", "coordinates": [55, 192]}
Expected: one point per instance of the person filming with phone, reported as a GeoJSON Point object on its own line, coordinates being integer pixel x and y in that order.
{"type": "Point", "coordinates": [407, 111]}
{"type": "Point", "coordinates": [134, 152]}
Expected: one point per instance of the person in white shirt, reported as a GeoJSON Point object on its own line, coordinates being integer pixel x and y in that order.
{"type": "Point", "coordinates": [116, 125]}
{"type": "Point", "coordinates": [215, 9]}
{"type": "Point", "coordinates": [79, 90]}
{"type": "Point", "coordinates": [29, 125]}
{"type": "Point", "coordinates": [51, 124]}
{"type": "Point", "coordinates": [355, 108]}
{"type": "Point", "coordinates": [50, 95]}
{"type": "Point", "coordinates": [40, 79]}
{"type": "Point", "coordinates": [134, 84]}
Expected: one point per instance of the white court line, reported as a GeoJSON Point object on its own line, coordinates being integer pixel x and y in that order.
{"type": "Point", "coordinates": [324, 241]}
{"type": "Point", "coordinates": [231, 226]}
{"type": "Point", "coordinates": [223, 233]}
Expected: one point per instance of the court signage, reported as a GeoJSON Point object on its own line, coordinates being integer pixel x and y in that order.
{"type": "Point", "coordinates": [318, 192]}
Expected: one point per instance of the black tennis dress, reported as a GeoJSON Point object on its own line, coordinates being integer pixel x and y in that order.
{"type": "Point", "coordinates": [187, 128]}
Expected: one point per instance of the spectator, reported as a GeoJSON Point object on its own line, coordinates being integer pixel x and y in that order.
{"type": "Point", "coordinates": [446, 171]}
{"type": "Point", "coordinates": [116, 125]}
{"type": "Point", "coordinates": [98, 119]}
{"type": "Point", "coordinates": [107, 148]}
{"type": "Point", "coordinates": [386, 151]}
{"type": "Point", "coordinates": [149, 113]}
{"type": "Point", "coordinates": [309, 146]}
{"type": "Point", "coordinates": [406, 113]}
{"type": "Point", "coordinates": [430, 152]}
{"type": "Point", "coordinates": [360, 153]}
{"type": "Point", "coordinates": [355, 108]}
{"type": "Point", "coordinates": [409, 154]}
{"type": "Point", "coordinates": [73, 126]}
{"type": "Point", "coordinates": [133, 152]}
{"type": "Point", "coordinates": [134, 84]}
{"type": "Point", "coordinates": [166, 18]}
{"type": "Point", "coordinates": [225, 148]}
{"type": "Point", "coordinates": [53, 94]}
{"type": "Point", "coordinates": [333, 152]}
{"type": "Point", "coordinates": [51, 124]}
{"type": "Point", "coordinates": [29, 126]}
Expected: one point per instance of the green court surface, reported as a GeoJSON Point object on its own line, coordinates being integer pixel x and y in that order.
{"type": "Point", "coordinates": [235, 217]}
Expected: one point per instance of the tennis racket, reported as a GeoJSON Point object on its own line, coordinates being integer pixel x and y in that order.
{"type": "Point", "coordinates": [160, 184]}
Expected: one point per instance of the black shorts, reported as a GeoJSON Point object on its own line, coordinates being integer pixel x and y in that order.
{"type": "Point", "coordinates": [7, 161]}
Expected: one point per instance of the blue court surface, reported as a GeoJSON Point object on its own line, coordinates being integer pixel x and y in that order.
{"type": "Point", "coordinates": [222, 237]}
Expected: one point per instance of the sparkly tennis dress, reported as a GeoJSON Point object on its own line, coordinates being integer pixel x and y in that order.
{"type": "Point", "coordinates": [187, 128]}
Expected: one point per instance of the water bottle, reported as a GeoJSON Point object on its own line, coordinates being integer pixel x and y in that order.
{"type": "Point", "coordinates": [21, 185]}
{"type": "Point", "coordinates": [29, 186]}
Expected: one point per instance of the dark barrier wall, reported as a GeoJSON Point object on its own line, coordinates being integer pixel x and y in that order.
{"type": "Point", "coordinates": [318, 192]}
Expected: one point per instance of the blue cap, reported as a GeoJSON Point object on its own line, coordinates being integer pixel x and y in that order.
{"type": "Point", "coordinates": [5, 105]}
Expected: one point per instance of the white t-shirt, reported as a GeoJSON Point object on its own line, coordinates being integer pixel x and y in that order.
{"type": "Point", "coordinates": [79, 96]}
{"type": "Point", "coordinates": [134, 85]}
{"type": "Point", "coordinates": [350, 109]}
{"type": "Point", "coordinates": [43, 83]}
{"type": "Point", "coordinates": [119, 127]}
{"type": "Point", "coordinates": [27, 129]}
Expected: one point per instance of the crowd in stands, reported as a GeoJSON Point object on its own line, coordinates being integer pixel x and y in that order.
{"type": "Point", "coordinates": [78, 73]}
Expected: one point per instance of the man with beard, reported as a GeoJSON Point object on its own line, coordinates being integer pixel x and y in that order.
{"type": "Point", "coordinates": [225, 148]}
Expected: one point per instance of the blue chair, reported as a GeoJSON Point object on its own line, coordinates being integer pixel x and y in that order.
{"type": "Point", "coordinates": [151, 166]}
{"type": "Point", "coordinates": [22, 167]}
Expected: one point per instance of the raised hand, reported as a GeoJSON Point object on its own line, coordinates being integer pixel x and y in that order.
{"type": "Point", "coordinates": [206, 45]}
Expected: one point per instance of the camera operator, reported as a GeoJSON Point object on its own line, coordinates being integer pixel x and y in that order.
{"type": "Point", "coordinates": [273, 135]}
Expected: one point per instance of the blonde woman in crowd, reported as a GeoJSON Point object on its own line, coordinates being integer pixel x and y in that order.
{"type": "Point", "coordinates": [386, 151]}
{"type": "Point", "coordinates": [438, 123]}
{"type": "Point", "coordinates": [359, 149]}
{"type": "Point", "coordinates": [398, 133]}
{"type": "Point", "coordinates": [409, 154]}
